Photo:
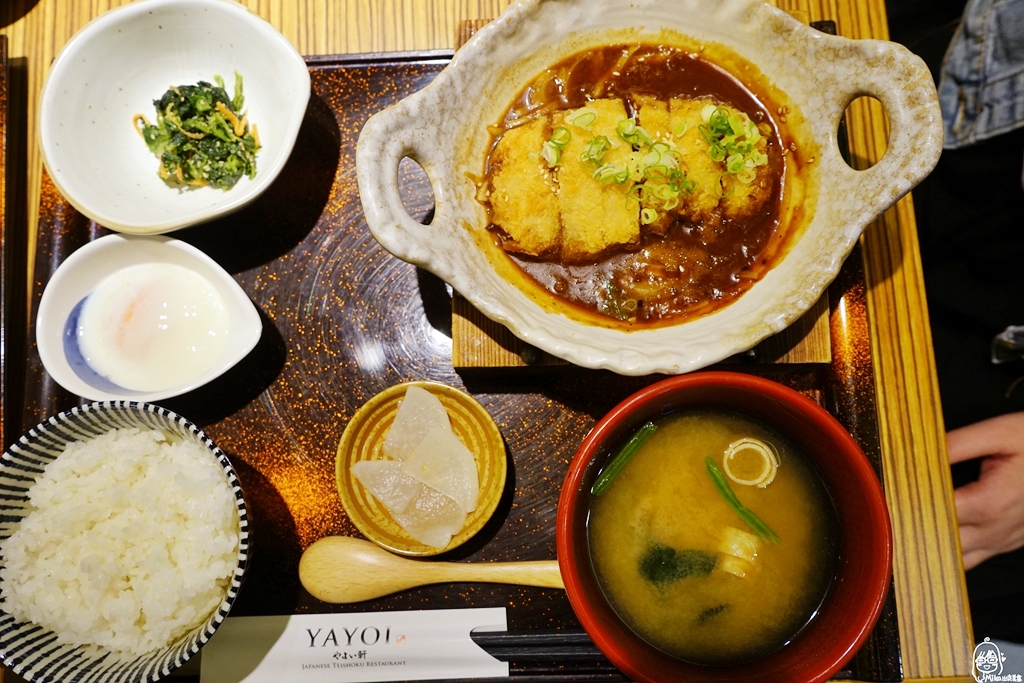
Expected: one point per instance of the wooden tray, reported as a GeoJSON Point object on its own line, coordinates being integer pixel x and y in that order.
{"type": "Point", "coordinates": [6, 257]}
{"type": "Point", "coordinates": [12, 282]}
{"type": "Point", "coordinates": [343, 320]}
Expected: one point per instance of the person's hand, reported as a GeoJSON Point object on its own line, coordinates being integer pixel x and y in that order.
{"type": "Point", "coordinates": [991, 510]}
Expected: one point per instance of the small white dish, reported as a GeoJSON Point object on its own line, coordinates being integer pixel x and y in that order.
{"type": "Point", "coordinates": [119, 63]}
{"type": "Point", "coordinates": [82, 272]}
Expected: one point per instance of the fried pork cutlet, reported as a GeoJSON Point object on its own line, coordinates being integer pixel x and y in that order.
{"type": "Point", "coordinates": [566, 213]}
{"type": "Point", "coordinates": [748, 199]}
{"type": "Point", "coordinates": [595, 216]}
{"type": "Point", "coordinates": [522, 195]}
{"type": "Point", "coordinates": [679, 121]}
{"type": "Point", "coordinates": [700, 167]}
{"type": "Point", "coordinates": [653, 116]}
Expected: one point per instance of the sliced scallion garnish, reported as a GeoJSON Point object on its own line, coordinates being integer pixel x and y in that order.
{"type": "Point", "coordinates": [746, 175]}
{"type": "Point", "coordinates": [611, 173]}
{"type": "Point", "coordinates": [731, 138]}
{"type": "Point", "coordinates": [552, 149]}
{"type": "Point", "coordinates": [552, 154]}
{"type": "Point", "coordinates": [561, 137]}
{"type": "Point", "coordinates": [584, 118]}
{"type": "Point", "coordinates": [735, 163]}
{"type": "Point", "coordinates": [652, 169]}
{"type": "Point", "coordinates": [595, 150]}
{"type": "Point", "coordinates": [632, 133]}
{"type": "Point", "coordinates": [663, 192]}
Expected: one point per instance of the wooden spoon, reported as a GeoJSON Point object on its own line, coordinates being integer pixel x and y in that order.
{"type": "Point", "coordinates": [341, 569]}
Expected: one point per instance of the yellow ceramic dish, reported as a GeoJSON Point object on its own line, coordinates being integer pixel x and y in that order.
{"type": "Point", "coordinates": [363, 438]}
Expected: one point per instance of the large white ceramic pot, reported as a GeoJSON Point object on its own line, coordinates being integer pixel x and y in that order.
{"type": "Point", "coordinates": [824, 209]}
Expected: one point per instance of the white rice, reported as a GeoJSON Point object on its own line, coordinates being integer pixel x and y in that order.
{"type": "Point", "coordinates": [132, 543]}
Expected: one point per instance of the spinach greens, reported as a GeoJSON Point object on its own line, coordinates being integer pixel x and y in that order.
{"type": "Point", "coordinates": [201, 136]}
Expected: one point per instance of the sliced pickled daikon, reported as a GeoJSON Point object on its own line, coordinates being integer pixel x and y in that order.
{"type": "Point", "coordinates": [432, 518]}
{"type": "Point", "coordinates": [419, 413]}
{"type": "Point", "coordinates": [441, 462]}
{"type": "Point", "coordinates": [388, 484]}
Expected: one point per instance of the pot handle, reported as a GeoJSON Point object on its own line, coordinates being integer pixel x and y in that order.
{"type": "Point", "coordinates": [388, 137]}
{"type": "Point", "coordinates": [900, 80]}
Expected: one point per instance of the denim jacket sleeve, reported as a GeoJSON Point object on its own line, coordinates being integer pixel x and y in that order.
{"type": "Point", "coordinates": [981, 88]}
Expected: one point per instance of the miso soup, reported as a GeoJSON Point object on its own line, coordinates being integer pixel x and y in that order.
{"type": "Point", "coordinates": [685, 570]}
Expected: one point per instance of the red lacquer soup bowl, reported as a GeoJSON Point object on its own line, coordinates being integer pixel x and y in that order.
{"type": "Point", "coordinates": [862, 546]}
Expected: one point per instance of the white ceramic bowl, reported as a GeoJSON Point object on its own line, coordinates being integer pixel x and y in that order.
{"type": "Point", "coordinates": [444, 129]}
{"type": "Point", "coordinates": [80, 274]}
{"type": "Point", "coordinates": [119, 63]}
{"type": "Point", "coordinates": [30, 650]}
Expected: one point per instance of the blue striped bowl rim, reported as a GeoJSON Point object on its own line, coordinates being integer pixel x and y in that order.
{"type": "Point", "coordinates": [32, 651]}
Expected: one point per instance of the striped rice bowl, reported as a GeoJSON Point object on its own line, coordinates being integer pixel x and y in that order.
{"type": "Point", "coordinates": [123, 544]}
